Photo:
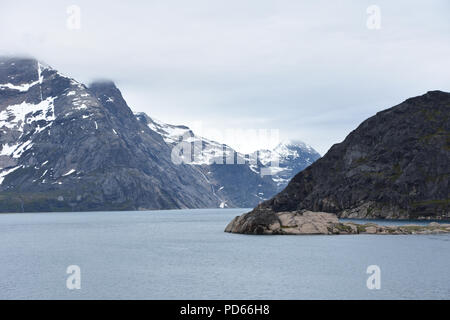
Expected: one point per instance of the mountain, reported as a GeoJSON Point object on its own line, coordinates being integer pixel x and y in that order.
{"type": "Point", "coordinates": [395, 165]}
{"type": "Point", "coordinates": [292, 157]}
{"type": "Point", "coordinates": [236, 184]}
{"type": "Point", "coordinates": [66, 146]}
{"type": "Point", "coordinates": [242, 184]}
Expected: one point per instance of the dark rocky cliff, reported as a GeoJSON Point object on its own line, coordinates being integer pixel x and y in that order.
{"type": "Point", "coordinates": [395, 165]}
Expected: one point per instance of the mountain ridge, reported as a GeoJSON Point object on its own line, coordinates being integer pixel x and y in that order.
{"type": "Point", "coordinates": [66, 146]}
{"type": "Point", "coordinates": [291, 156]}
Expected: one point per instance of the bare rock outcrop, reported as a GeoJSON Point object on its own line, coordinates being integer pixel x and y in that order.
{"type": "Point", "coordinates": [309, 223]}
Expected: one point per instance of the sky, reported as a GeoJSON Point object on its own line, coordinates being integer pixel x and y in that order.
{"type": "Point", "coordinates": [305, 70]}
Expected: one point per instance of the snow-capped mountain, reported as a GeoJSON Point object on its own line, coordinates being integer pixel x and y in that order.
{"type": "Point", "coordinates": [231, 177]}
{"type": "Point", "coordinates": [292, 157]}
{"type": "Point", "coordinates": [283, 162]}
{"type": "Point", "coordinates": [66, 146]}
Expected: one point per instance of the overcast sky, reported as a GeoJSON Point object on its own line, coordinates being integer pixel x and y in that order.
{"type": "Point", "coordinates": [312, 69]}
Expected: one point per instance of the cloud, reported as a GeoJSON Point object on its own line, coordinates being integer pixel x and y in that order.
{"type": "Point", "coordinates": [311, 69]}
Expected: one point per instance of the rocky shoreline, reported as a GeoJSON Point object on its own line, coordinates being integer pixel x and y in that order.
{"type": "Point", "coordinates": [310, 223]}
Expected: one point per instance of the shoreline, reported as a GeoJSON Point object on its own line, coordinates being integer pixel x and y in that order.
{"type": "Point", "coordinates": [321, 223]}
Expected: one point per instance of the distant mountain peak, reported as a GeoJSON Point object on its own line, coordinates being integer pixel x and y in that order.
{"type": "Point", "coordinates": [291, 144]}
{"type": "Point", "coordinates": [283, 162]}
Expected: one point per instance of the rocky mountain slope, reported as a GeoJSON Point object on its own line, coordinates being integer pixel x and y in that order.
{"type": "Point", "coordinates": [395, 165]}
{"type": "Point", "coordinates": [236, 184]}
{"type": "Point", "coordinates": [65, 146]}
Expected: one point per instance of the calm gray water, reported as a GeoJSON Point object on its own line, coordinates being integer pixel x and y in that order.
{"type": "Point", "coordinates": [184, 254]}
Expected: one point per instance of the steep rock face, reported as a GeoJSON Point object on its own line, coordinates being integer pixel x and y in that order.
{"type": "Point", "coordinates": [64, 146]}
{"type": "Point", "coordinates": [236, 184]}
{"type": "Point", "coordinates": [394, 165]}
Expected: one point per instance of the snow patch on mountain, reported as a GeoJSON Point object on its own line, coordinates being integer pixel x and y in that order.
{"type": "Point", "coordinates": [16, 116]}
{"type": "Point", "coordinates": [203, 151]}
{"type": "Point", "coordinates": [170, 133]}
{"type": "Point", "coordinates": [69, 172]}
{"type": "Point", "coordinates": [287, 150]}
{"type": "Point", "coordinates": [5, 172]}
{"type": "Point", "coordinates": [22, 87]}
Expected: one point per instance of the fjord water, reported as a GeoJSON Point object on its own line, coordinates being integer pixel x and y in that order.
{"type": "Point", "coordinates": [184, 254]}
